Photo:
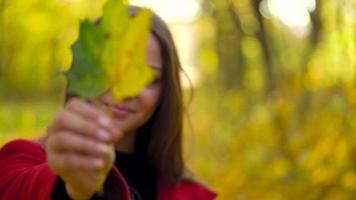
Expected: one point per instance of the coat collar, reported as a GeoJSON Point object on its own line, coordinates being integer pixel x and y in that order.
{"type": "Point", "coordinates": [185, 190]}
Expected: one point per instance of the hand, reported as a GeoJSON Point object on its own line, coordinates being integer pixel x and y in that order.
{"type": "Point", "coordinates": [80, 147]}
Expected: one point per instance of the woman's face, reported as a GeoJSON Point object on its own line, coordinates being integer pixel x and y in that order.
{"type": "Point", "coordinates": [134, 112]}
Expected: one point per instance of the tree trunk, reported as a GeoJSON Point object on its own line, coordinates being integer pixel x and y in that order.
{"type": "Point", "coordinates": [314, 37]}
{"type": "Point", "coordinates": [229, 34]}
{"type": "Point", "coordinates": [266, 54]}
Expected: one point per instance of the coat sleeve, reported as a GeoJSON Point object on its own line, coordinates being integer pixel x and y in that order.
{"type": "Point", "coordinates": [24, 172]}
{"type": "Point", "coordinates": [186, 190]}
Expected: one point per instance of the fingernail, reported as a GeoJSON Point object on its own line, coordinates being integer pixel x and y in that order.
{"type": "Point", "coordinates": [99, 163]}
{"type": "Point", "coordinates": [104, 135]}
{"type": "Point", "coordinates": [114, 130]}
{"type": "Point", "coordinates": [104, 122]}
{"type": "Point", "coordinates": [116, 133]}
{"type": "Point", "coordinates": [102, 148]}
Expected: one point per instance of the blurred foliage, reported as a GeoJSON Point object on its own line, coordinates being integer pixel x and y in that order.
{"type": "Point", "coordinates": [25, 119]}
{"type": "Point", "coordinates": [273, 117]}
{"type": "Point", "coordinates": [35, 37]}
{"type": "Point", "coordinates": [275, 114]}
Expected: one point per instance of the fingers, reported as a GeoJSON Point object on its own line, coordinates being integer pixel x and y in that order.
{"type": "Point", "coordinates": [75, 123]}
{"type": "Point", "coordinates": [89, 112]}
{"type": "Point", "coordinates": [78, 158]}
{"type": "Point", "coordinates": [84, 118]}
{"type": "Point", "coordinates": [69, 142]}
{"type": "Point", "coordinates": [68, 162]}
{"type": "Point", "coordinates": [84, 108]}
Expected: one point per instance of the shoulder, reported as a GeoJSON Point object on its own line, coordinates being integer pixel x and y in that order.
{"type": "Point", "coordinates": [26, 161]}
{"type": "Point", "coordinates": [187, 189]}
{"type": "Point", "coordinates": [22, 146]}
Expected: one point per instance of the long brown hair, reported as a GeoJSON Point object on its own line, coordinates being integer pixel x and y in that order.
{"type": "Point", "coordinates": [159, 141]}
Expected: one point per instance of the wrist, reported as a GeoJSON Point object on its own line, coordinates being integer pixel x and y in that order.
{"type": "Point", "coordinates": [77, 195]}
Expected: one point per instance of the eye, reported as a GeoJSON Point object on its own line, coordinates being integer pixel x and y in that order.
{"type": "Point", "coordinates": [155, 81]}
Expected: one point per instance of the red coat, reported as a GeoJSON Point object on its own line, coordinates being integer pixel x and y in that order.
{"type": "Point", "coordinates": [25, 175]}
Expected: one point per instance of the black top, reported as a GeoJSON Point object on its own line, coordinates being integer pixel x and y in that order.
{"type": "Point", "coordinates": [138, 173]}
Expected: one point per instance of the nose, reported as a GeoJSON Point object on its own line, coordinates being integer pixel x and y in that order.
{"type": "Point", "coordinates": [129, 98]}
{"type": "Point", "coordinates": [109, 97]}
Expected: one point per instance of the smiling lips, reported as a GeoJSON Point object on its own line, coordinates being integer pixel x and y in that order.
{"type": "Point", "coordinates": [118, 111]}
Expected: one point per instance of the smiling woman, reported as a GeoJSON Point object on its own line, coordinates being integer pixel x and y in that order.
{"type": "Point", "coordinates": [132, 147]}
{"type": "Point", "coordinates": [134, 112]}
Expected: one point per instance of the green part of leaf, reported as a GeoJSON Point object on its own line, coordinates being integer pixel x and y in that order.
{"type": "Point", "coordinates": [86, 78]}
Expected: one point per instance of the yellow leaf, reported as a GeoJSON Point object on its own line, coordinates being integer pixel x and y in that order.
{"type": "Point", "coordinates": [129, 72]}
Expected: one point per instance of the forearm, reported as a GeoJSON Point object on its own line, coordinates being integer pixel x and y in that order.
{"type": "Point", "coordinates": [60, 192]}
{"type": "Point", "coordinates": [78, 195]}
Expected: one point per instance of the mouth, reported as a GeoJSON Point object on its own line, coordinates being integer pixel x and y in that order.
{"type": "Point", "coordinates": [119, 111]}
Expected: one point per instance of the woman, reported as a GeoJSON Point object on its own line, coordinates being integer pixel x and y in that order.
{"type": "Point", "coordinates": [136, 152]}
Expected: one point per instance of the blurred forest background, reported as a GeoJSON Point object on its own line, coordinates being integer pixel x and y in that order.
{"type": "Point", "coordinates": [274, 89]}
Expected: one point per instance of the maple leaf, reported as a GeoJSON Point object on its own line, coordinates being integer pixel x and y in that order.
{"type": "Point", "coordinates": [112, 54]}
